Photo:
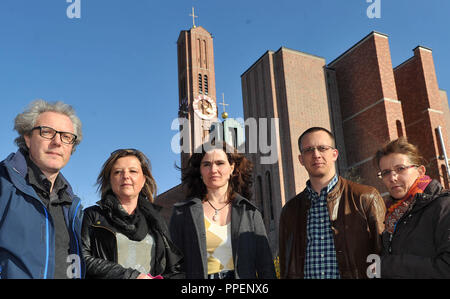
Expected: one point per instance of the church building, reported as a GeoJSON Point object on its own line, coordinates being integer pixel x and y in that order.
{"type": "Point", "coordinates": [359, 96]}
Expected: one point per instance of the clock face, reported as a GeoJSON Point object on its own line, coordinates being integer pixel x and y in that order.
{"type": "Point", "coordinates": [205, 107]}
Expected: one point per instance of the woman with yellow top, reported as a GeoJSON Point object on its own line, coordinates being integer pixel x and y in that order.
{"type": "Point", "coordinates": [220, 233]}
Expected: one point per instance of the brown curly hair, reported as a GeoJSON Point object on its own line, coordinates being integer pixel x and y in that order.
{"type": "Point", "coordinates": [240, 181]}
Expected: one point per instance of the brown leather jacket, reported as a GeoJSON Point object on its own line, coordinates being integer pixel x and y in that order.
{"type": "Point", "coordinates": [357, 220]}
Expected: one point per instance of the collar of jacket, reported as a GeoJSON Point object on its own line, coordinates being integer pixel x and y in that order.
{"type": "Point", "coordinates": [17, 168]}
{"type": "Point", "coordinates": [431, 192]}
{"type": "Point", "coordinates": [238, 207]}
{"type": "Point", "coordinates": [333, 198]}
{"type": "Point", "coordinates": [165, 251]}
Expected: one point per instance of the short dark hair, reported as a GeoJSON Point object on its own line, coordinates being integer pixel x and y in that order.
{"type": "Point", "coordinates": [312, 130]}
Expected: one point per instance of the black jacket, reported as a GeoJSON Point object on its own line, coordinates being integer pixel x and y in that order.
{"type": "Point", "coordinates": [99, 244]}
{"type": "Point", "coordinates": [251, 252]}
{"type": "Point", "coordinates": [420, 246]}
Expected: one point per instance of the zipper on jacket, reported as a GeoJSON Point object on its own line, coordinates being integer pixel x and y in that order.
{"type": "Point", "coordinates": [75, 234]}
{"type": "Point", "coordinates": [407, 214]}
{"type": "Point", "coordinates": [47, 239]}
{"type": "Point", "coordinates": [111, 231]}
{"type": "Point", "coordinates": [101, 226]}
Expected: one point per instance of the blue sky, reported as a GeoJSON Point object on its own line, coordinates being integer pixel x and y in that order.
{"type": "Point", "coordinates": [117, 64]}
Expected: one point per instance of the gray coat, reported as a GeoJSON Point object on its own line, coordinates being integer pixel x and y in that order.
{"type": "Point", "coordinates": [251, 252]}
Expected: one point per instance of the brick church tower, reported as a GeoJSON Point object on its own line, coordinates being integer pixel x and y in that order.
{"type": "Point", "coordinates": [197, 101]}
{"type": "Point", "coordinates": [197, 86]}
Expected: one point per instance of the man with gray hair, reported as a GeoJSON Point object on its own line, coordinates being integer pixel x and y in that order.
{"type": "Point", "coordinates": [40, 217]}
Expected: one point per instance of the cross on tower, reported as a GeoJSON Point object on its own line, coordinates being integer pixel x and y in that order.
{"type": "Point", "coordinates": [193, 17]}
{"type": "Point", "coordinates": [223, 102]}
{"type": "Point", "coordinates": [224, 113]}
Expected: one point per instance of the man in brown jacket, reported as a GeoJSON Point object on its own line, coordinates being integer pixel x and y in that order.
{"type": "Point", "coordinates": [330, 228]}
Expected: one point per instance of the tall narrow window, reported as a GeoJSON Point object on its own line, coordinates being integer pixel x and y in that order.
{"type": "Point", "coordinates": [269, 185]}
{"type": "Point", "coordinates": [399, 128]}
{"type": "Point", "coordinates": [200, 83]}
{"type": "Point", "coordinates": [260, 199]}
{"type": "Point", "coordinates": [235, 137]}
{"type": "Point", "coordinates": [205, 57]}
{"type": "Point", "coordinates": [205, 78]}
{"type": "Point", "coordinates": [183, 91]}
{"type": "Point", "coordinates": [199, 59]}
{"type": "Point", "coordinates": [445, 175]}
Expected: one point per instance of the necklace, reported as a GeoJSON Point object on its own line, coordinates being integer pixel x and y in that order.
{"type": "Point", "coordinates": [216, 211]}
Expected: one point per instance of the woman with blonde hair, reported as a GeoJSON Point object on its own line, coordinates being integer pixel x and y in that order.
{"type": "Point", "coordinates": [124, 236]}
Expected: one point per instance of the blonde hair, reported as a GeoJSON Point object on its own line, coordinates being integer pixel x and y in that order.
{"type": "Point", "coordinates": [400, 146]}
{"type": "Point", "coordinates": [104, 178]}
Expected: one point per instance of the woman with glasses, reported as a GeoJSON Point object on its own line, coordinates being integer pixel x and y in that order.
{"type": "Point", "coordinates": [221, 234]}
{"type": "Point", "coordinates": [124, 236]}
{"type": "Point", "coordinates": [416, 240]}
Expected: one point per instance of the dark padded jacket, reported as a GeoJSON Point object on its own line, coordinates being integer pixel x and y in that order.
{"type": "Point", "coordinates": [420, 245]}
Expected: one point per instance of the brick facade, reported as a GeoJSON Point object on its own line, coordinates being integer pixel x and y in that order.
{"type": "Point", "coordinates": [371, 112]}
{"type": "Point", "coordinates": [277, 86]}
{"type": "Point", "coordinates": [359, 96]}
{"type": "Point", "coordinates": [423, 108]}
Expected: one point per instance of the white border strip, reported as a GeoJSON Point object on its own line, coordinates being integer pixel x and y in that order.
{"type": "Point", "coordinates": [371, 106]}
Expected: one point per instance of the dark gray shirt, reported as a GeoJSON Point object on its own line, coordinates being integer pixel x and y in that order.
{"type": "Point", "coordinates": [54, 202]}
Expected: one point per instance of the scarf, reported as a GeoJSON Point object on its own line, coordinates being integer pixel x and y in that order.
{"type": "Point", "coordinates": [133, 226]}
{"type": "Point", "coordinates": [400, 207]}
